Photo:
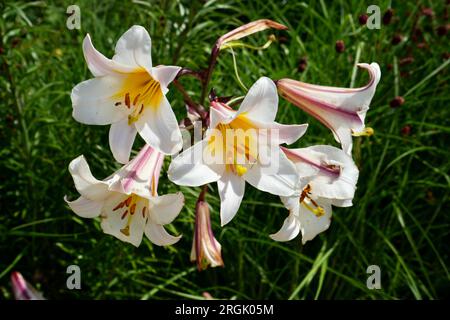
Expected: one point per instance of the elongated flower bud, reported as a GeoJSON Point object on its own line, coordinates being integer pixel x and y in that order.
{"type": "Point", "coordinates": [22, 289]}
{"type": "Point", "coordinates": [248, 29]}
{"type": "Point", "coordinates": [206, 250]}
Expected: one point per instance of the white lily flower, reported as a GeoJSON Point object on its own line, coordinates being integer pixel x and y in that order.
{"type": "Point", "coordinates": [127, 201]}
{"type": "Point", "coordinates": [328, 177]}
{"type": "Point", "coordinates": [128, 93]}
{"type": "Point", "coordinates": [219, 157]}
{"type": "Point", "coordinates": [342, 110]}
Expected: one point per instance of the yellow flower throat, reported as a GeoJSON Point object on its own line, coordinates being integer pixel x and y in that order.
{"type": "Point", "coordinates": [139, 90]}
{"type": "Point", "coordinates": [236, 141]}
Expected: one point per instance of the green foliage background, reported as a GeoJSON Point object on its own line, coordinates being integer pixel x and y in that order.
{"type": "Point", "coordinates": [400, 218]}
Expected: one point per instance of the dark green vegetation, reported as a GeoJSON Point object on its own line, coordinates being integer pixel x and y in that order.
{"type": "Point", "coordinates": [400, 218]}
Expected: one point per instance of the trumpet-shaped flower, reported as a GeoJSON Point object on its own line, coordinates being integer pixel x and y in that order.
{"type": "Point", "coordinates": [241, 146]}
{"type": "Point", "coordinates": [206, 250]}
{"type": "Point", "coordinates": [127, 201]}
{"type": "Point", "coordinates": [128, 93]}
{"type": "Point", "coordinates": [328, 177]}
{"type": "Point", "coordinates": [342, 110]}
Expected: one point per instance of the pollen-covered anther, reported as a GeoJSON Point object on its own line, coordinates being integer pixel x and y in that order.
{"type": "Point", "coordinates": [126, 230]}
{"type": "Point", "coordinates": [368, 131]}
{"type": "Point", "coordinates": [144, 211]}
{"type": "Point", "coordinates": [314, 208]}
{"type": "Point", "coordinates": [240, 170]}
{"type": "Point", "coordinates": [127, 100]}
{"type": "Point", "coordinates": [133, 208]}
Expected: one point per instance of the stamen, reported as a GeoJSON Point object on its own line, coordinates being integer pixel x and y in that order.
{"type": "Point", "coordinates": [126, 230]}
{"type": "Point", "coordinates": [124, 214]}
{"type": "Point", "coordinates": [133, 209]}
{"type": "Point", "coordinates": [136, 99]}
{"type": "Point", "coordinates": [127, 100]}
{"type": "Point", "coordinates": [366, 132]}
{"type": "Point", "coordinates": [117, 103]}
{"type": "Point", "coordinates": [144, 211]}
{"type": "Point", "coordinates": [153, 186]}
{"type": "Point", "coordinates": [318, 211]}
{"type": "Point", "coordinates": [240, 170]}
{"type": "Point", "coordinates": [120, 205]}
{"type": "Point", "coordinates": [128, 201]}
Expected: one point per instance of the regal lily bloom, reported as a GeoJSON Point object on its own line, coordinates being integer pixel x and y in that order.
{"type": "Point", "coordinates": [127, 202]}
{"type": "Point", "coordinates": [22, 289]}
{"type": "Point", "coordinates": [342, 110]}
{"type": "Point", "coordinates": [206, 250]}
{"type": "Point", "coordinates": [128, 93]}
{"type": "Point", "coordinates": [328, 177]}
{"type": "Point", "coordinates": [234, 148]}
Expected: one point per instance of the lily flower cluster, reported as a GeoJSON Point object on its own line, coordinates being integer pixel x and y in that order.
{"type": "Point", "coordinates": [237, 146]}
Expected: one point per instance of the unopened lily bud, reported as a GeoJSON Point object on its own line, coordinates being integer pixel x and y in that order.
{"type": "Point", "coordinates": [206, 250]}
{"type": "Point", "coordinates": [248, 29]}
{"type": "Point", "coordinates": [22, 289]}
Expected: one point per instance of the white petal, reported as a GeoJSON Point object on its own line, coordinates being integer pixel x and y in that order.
{"type": "Point", "coordinates": [278, 177]}
{"type": "Point", "coordinates": [165, 75]}
{"type": "Point", "coordinates": [97, 63]}
{"type": "Point", "coordinates": [140, 175]}
{"type": "Point", "coordinates": [159, 236]}
{"type": "Point", "coordinates": [164, 209]}
{"type": "Point", "coordinates": [283, 133]}
{"type": "Point", "coordinates": [312, 225]}
{"type": "Point", "coordinates": [261, 101]}
{"type": "Point", "coordinates": [343, 134]}
{"type": "Point", "coordinates": [134, 49]}
{"type": "Point", "coordinates": [85, 183]}
{"type": "Point", "coordinates": [93, 101]}
{"type": "Point", "coordinates": [231, 191]}
{"type": "Point", "coordinates": [85, 208]}
{"type": "Point", "coordinates": [341, 203]}
{"type": "Point", "coordinates": [115, 224]}
{"type": "Point", "coordinates": [341, 186]}
{"type": "Point", "coordinates": [121, 139]}
{"type": "Point", "coordinates": [219, 114]}
{"type": "Point", "coordinates": [289, 230]}
{"type": "Point", "coordinates": [191, 167]}
{"type": "Point", "coordinates": [291, 203]}
{"type": "Point", "coordinates": [159, 128]}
